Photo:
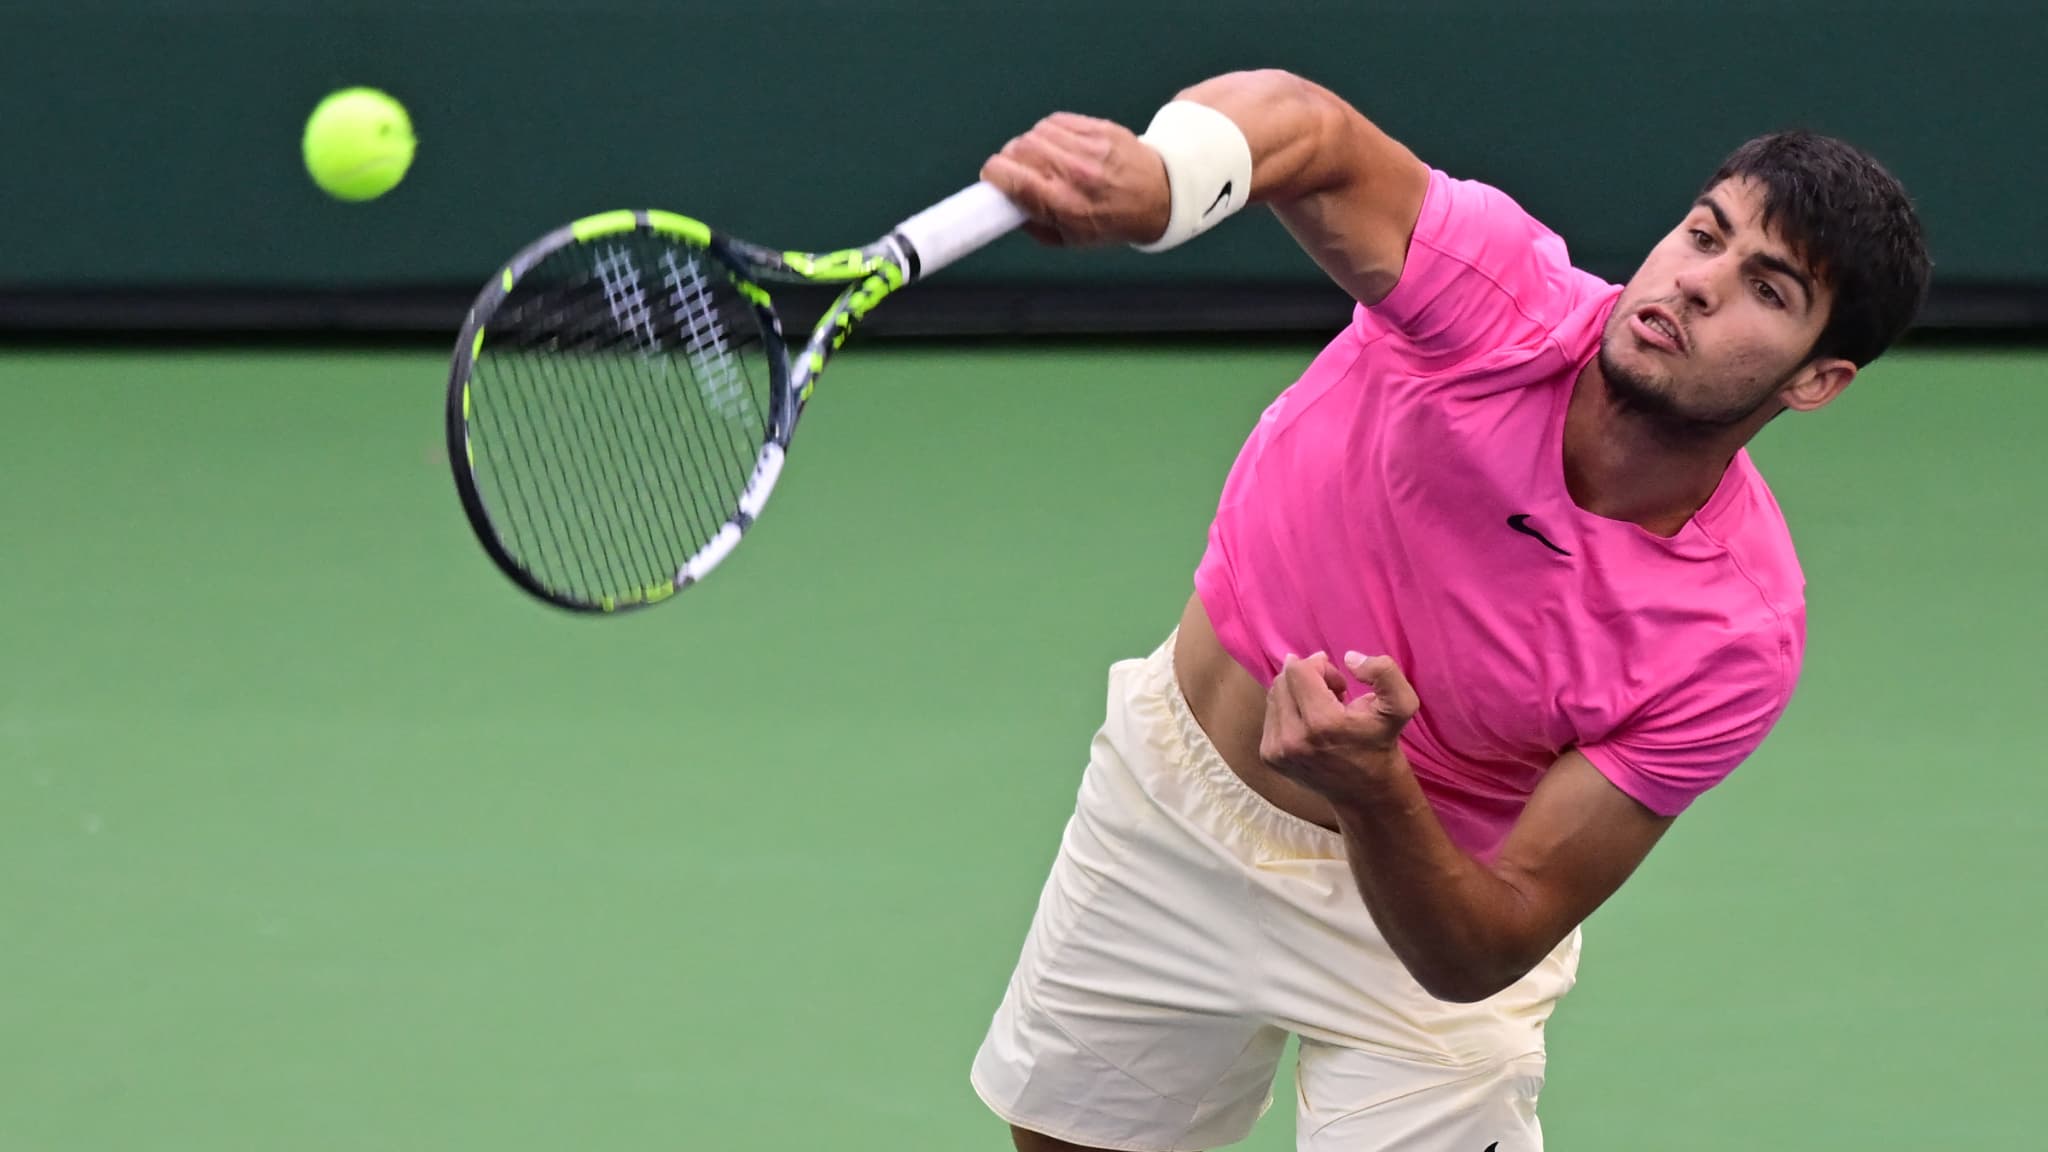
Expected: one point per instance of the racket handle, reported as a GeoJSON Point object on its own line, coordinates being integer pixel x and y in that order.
{"type": "Point", "coordinates": [967, 220]}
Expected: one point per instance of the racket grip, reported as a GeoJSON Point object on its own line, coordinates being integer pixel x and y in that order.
{"type": "Point", "coordinates": [967, 220]}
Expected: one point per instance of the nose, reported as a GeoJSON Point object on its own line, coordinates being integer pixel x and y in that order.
{"type": "Point", "coordinates": [1699, 284]}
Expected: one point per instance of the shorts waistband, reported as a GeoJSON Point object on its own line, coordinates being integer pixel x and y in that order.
{"type": "Point", "coordinates": [1234, 813]}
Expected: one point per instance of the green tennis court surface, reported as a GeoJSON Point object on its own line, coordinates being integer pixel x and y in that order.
{"type": "Point", "coordinates": [315, 835]}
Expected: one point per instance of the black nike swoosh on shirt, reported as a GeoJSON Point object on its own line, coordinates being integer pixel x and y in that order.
{"type": "Point", "coordinates": [1520, 523]}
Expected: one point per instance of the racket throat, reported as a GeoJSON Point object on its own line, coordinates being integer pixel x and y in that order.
{"type": "Point", "coordinates": [839, 322]}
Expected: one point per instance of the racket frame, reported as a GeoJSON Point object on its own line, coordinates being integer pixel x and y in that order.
{"type": "Point", "coordinates": [872, 273]}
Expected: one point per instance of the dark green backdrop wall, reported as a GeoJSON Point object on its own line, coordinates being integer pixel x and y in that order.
{"type": "Point", "coordinates": [150, 145]}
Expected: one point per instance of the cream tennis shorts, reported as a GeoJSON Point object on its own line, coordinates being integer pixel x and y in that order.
{"type": "Point", "coordinates": [1189, 927]}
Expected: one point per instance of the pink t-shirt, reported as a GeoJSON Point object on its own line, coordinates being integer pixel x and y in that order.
{"type": "Point", "coordinates": [1406, 496]}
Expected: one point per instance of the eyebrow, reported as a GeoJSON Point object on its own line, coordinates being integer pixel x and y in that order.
{"type": "Point", "coordinates": [1764, 260]}
{"type": "Point", "coordinates": [1720, 217]}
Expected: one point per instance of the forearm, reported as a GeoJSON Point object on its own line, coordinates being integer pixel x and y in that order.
{"type": "Point", "coordinates": [1461, 929]}
{"type": "Point", "coordinates": [1465, 930]}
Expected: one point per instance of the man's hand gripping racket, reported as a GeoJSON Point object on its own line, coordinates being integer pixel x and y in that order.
{"type": "Point", "coordinates": [621, 398]}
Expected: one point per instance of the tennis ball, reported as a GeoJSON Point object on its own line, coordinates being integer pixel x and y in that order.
{"type": "Point", "coordinates": [358, 144]}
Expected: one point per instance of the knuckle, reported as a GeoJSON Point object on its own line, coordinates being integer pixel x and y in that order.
{"type": "Point", "coordinates": [1064, 202]}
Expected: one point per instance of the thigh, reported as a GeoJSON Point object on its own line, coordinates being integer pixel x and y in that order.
{"type": "Point", "coordinates": [1384, 1065]}
{"type": "Point", "coordinates": [1127, 1022]}
{"type": "Point", "coordinates": [1352, 1099]}
{"type": "Point", "coordinates": [1025, 1140]}
{"type": "Point", "coordinates": [1337, 981]}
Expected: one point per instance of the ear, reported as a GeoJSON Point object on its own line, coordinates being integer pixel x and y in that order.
{"type": "Point", "coordinates": [1817, 384]}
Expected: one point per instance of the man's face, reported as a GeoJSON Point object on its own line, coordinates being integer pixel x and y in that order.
{"type": "Point", "coordinates": [1718, 320]}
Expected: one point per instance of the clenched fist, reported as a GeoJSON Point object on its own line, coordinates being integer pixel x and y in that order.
{"type": "Point", "coordinates": [1334, 749]}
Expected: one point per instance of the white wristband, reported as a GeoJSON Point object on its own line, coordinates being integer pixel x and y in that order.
{"type": "Point", "coordinates": [1208, 169]}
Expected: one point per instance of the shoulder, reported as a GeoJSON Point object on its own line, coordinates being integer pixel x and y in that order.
{"type": "Point", "coordinates": [1745, 520]}
{"type": "Point", "coordinates": [1481, 273]}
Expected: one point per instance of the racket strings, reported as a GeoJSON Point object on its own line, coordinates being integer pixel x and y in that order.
{"type": "Point", "coordinates": [620, 404]}
{"type": "Point", "coordinates": [585, 442]}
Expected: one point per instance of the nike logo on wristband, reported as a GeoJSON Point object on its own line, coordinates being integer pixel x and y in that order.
{"type": "Point", "coordinates": [1222, 198]}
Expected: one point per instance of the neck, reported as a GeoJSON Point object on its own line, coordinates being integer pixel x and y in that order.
{"type": "Point", "coordinates": [1621, 466]}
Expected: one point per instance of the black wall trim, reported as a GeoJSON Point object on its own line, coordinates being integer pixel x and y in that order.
{"type": "Point", "coordinates": [965, 309]}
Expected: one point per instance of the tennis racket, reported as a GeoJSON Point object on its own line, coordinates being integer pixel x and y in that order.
{"type": "Point", "coordinates": [621, 397]}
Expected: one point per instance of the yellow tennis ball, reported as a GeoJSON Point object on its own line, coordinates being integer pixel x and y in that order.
{"type": "Point", "coordinates": [358, 144]}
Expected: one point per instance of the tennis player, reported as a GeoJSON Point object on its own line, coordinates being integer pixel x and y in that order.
{"type": "Point", "coordinates": [1492, 594]}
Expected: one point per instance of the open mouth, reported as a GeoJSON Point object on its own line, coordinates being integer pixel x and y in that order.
{"type": "Point", "coordinates": [1658, 327]}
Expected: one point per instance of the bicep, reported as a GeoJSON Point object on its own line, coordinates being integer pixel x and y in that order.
{"type": "Point", "coordinates": [1358, 227]}
{"type": "Point", "coordinates": [1578, 838]}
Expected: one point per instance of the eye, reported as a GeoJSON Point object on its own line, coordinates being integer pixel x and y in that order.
{"type": "Point", "coordinates": [1701, 240]}
{"type": "Point", "coordinates": [1769, 295]}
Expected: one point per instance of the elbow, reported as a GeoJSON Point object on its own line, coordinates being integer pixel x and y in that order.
{"type": "Point", "coordinates": [1494, 951]}
{"type": "Point", "coordinates": [1469, 981]}
{"type": "Point", "coordinates": [1459, 987]}
{"type": "Point", "coordinates": [1268, 82]}
{"type": "Point", "coordinates": [1278, 93]}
